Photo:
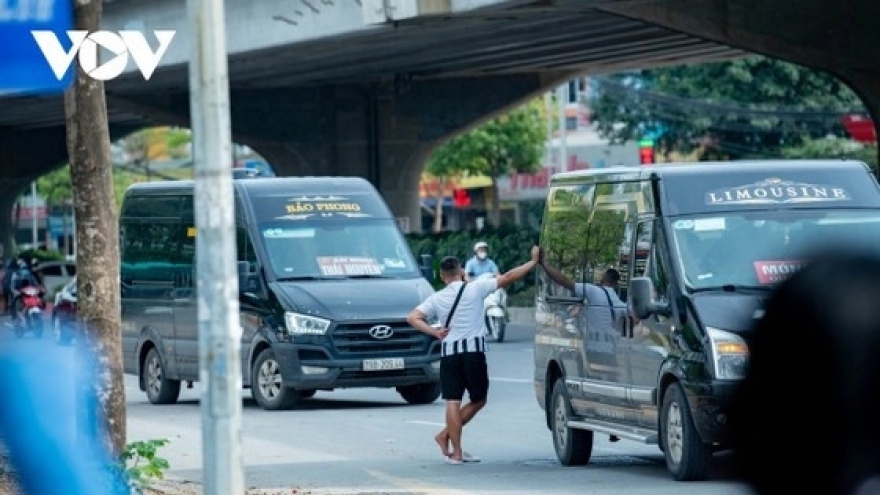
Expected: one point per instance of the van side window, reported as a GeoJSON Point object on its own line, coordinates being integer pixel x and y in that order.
{"type": "Point", "coordinates": [148, 250]}
{"type": "Point", "coordinates": [656, 267]}
{"type": "Point", "coordinates": [564, 236]}
{"type": "Point", "coordinates": [245, 247]}
{"type": "Point", "coordinates": [615, 208]}
{"type": "Point", "coordinates": [644, 240]}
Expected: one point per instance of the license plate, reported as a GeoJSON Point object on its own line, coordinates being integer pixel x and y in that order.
{"type": "Point", "coordinates": [383, 364]}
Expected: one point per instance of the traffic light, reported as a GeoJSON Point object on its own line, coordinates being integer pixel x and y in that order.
{"type": "Point", "coordinates": [460, 198]}
{"type": "Point", "coordinates": [646, 151]}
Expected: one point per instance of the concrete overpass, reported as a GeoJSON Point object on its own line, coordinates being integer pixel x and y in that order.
{"type": "Point", "coordinates": [317, 90]}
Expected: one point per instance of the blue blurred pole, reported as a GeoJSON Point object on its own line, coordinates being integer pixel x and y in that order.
{"type": "Point", "coordinates": [35, 424]}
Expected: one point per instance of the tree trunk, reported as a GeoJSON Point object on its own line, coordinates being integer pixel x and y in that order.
{"type": "Point", "coordinates": [496, 205]}
{"type": "Point", "coordinates": [98, 306]}
{"type": "Point", "coordinates": [438, 207]}
{"type": "Point", "coordinates": [495, 214]}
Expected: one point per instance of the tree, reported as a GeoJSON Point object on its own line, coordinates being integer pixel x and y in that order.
{"type": "Point", "coordinates": [98, 306]}
{"type": "Point", "coordinates": [55, 188]}
{"type": "Point", "coordinates": [834, 148]}
{"type": "Point", "coordinates": [748, 107]}
{"type": "Point", "coordinates": [510, 143]}
{"type": "Point", "coordinates": [147, 145]}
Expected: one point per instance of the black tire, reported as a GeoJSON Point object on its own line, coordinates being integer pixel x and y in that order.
{"type": "Point", "coordinates": [423, 393]}
{"type": "Point", "coordinates": [500, 327]}
{"type": "Point", "coordinates": [37, 326]}
{"type": "Point", "coordinates": [62, 331]}
{"type": "Point", "coordinates": [160, 389]}
{"type": "Point", "coordinates": [267, 384]}
{"type": "Point", "coordinates": [687, 457]}
{"type": "Point", "coordinates": [573, 447]}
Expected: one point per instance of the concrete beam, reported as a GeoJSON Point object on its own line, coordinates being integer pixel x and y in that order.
{"type": "Point", "coordinates": [812, 33]}
{"type": "Point", "coordinates": [250, 25]}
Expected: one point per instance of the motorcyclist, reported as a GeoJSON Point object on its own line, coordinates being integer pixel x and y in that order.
{"type": "Point", "coordinates": [480, 263]}
{"type": "Point", "coordinates": [23, 277]}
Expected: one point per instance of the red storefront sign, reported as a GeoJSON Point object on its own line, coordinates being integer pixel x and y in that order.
{"type": "Point", "coordinates": [860, 128]}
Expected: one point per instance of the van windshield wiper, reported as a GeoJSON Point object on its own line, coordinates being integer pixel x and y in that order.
{"type": "Point", "coordinates": [732, 288]}
{"type": "Point", "coordinates": [367, 275]}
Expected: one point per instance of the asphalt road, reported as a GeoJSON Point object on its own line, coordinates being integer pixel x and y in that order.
{"type": "Point", "coordinates": [368, 441]}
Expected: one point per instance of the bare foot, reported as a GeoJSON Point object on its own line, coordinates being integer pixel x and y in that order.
{"type": "Point", "coordinates": [443, 441]}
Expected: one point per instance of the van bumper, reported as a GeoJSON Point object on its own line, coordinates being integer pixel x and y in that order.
{"type": "Point", "coordinates": [349, 373]}
{"type": "Point", "coordinates": [710, 407]}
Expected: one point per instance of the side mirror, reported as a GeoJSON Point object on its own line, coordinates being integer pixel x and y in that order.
{"type": "Point", "coordinates": [427, 267]}
{"type": "Point", "coordinates": [641, 296]}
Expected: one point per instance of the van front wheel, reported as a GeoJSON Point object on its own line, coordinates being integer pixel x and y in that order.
{"type": "Point", "coordinates": [423, 393]}
{"type": "Point", "coordinates": [687, 457]}
{"type": "Point", "coordinates": [267, 384]}
{"type": "Point", "coordinates": [573, 447]}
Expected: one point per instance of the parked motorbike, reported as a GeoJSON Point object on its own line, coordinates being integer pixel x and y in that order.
{"type": "Point", "coordinates": [495, 313]}
{"type": "Point", "coordinates": [30, 315]}
{"type": "Point", "coordinates": [64, 314]}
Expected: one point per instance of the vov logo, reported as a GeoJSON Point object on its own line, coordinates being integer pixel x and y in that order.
{"type": "Point", "coordinates": [85, 46]}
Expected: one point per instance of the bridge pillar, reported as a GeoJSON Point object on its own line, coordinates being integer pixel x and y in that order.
{"type": "Point", "coordinates": [383, 133]}
{"type": "Point", "coordinates": [27, 155]}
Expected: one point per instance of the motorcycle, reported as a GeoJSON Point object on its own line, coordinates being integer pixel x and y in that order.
{"type": "Point", "coordinates": [495, 313]}
{"type": "Point", "coordinates": [64, 314]}
{"type": "Point", "coordinates": [30, 315]}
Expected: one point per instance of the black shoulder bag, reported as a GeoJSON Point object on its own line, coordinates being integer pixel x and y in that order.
{"type": "Point", "coordinates": [454, 305]}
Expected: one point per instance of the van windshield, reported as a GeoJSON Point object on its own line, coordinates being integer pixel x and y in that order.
{"type": "Point", "coordinates": [757, 249]}
{"type": "Point", "coordinates": [315, 250]}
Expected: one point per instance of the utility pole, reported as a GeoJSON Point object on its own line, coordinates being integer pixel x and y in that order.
{"type": "Point", "coordinates": [34, 229]}
{"type": "Point", "coordinates": [216, 274]}
{"type": "Point", "coordinates": [562, 99]}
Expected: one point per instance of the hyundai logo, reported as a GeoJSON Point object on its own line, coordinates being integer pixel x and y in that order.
{"type": "Point", "coordinates": [381, 332]}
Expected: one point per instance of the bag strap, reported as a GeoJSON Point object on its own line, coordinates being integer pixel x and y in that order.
{"type": "Point", "coordinates": [610, 304]}
{"type": "Point", "coordinates": [454, 305]}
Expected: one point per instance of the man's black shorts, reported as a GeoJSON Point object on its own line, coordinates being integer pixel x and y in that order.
{"type": "Point", "coordinates": [464, 371]}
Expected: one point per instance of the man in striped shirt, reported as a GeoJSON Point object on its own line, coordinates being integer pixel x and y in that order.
{"type": "Point", "coordinates": [463, 359]}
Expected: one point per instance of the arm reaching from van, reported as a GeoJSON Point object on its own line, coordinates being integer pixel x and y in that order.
{"type": "Point", "coordinates": [556, 275]}
{"type": "Point", "coordinates": [511, 276]}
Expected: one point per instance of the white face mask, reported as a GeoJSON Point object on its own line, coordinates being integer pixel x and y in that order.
{"type": "Point", "coordinates": [481, 255]}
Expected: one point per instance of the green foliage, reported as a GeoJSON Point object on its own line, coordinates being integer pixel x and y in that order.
{"type": "Point", "coordinates": [834, 148]}
{"type": "Point", "coordinates": [41, 255]}
{"type": "Point", "coordinates": [743, 108]}
{"type": "Point", "coordinates": [141, 464]}
{"type": "Point", "coordinates": [55, 187]}
{"type": "Point", "coordinates": [512, 142]}
{"type": "Point", "coordinates": [509, 246]}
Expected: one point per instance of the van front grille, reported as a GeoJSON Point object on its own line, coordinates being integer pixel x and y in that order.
{"type": "Point", "coordinates": [354, 339]}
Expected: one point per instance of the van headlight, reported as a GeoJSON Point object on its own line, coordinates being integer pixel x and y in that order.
{"type": "Point", "coordinates": [730, 354]}
{"type": "Point", "coordinates": [298, 324]}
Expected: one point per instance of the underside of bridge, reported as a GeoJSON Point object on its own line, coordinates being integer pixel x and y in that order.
{"type": "Point", "coordinates": [376, 103]}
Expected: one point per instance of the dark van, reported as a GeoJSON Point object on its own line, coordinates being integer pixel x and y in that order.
{"type": "Point", "coordinates": [326, 281]}
{"type": "Point", "coordinates": [697, 248]}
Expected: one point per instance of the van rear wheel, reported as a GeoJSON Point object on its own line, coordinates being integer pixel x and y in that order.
{"type": "Point", "coordinates": [573, 447]}
{"type": "Point", "coordinates": [160, 389]}
{"type": "Point", "coordinates": [267, 384]}
{"type": "Point", "coordinates": [687, 457]}
{"type": "Point", "coordinates": [423, 393]}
